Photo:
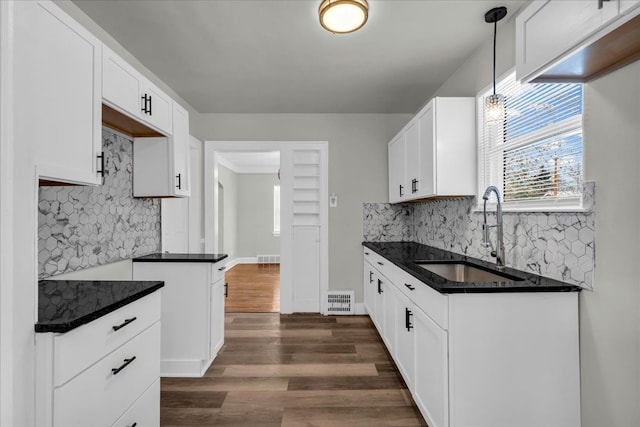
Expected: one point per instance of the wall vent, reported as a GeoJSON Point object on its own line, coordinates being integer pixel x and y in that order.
{"type": "Point", "coordinates": [268, 259]}
{"type": "Point", "coordinates": [340, 302]}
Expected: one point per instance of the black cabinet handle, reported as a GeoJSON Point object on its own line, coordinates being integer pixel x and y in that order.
{"type": "Point", "coordinates": [411, 288]}
{"type": "Point", "coordinates": [380, 263]}
{"type": "Point", "coordinates": [150, 106]}
{"type": "Point", "coordinates": [370, 276]}
{"type": "Point", "coordinates": [380, 286]}
{"type": "Point", "coordinates": [401, 194]}
{"type": "Point", "coordinates": [222, 268]}
{"type": "Point", "coordinates": [125, 323]}
{"type": "Point", "coordinates": [414, 185]}
{"type": "Point", "coordinates": [145, 104]}
{"type": "Point", "coordinates": [601, 3]}
{"type": "Point", "coordinates": [226, 290]}
{"type": "Point", "coordinates": [134, 425]}
{"type": "Point", "coordinates": [407, 319]}
{"type": "Point", "coordinates": [101, 157]}
{"type": "Point", "coordinates": [179, 177]}
{"type": "Point", "coordinates": [366, 253]}
{"type": "Point", "coordinates": [126, 363]}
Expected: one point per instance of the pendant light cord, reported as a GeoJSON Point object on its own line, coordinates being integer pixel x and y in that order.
{"type": "Point", "coordinates": [495, 30]}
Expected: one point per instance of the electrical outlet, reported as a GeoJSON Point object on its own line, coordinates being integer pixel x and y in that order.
{"type": "Point", "coordinates": [333, 200]}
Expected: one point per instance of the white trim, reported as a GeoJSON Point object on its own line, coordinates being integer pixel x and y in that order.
{"type": "Point", "coordinates": [359, 308]}
{"type": "Point", "coordinates": [6, 215]}
{"type": "Point", "coordinates": [247, 169]}
{"type": "Point", "coordinates": [243, 260]}
{"type": "Point", "coordinates": [286, 228]}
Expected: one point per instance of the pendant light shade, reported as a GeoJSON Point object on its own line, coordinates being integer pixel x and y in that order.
{"type": "Point", "coordinates": [343, 16]}
{"type": "Point", "coordinates": [494, 105]}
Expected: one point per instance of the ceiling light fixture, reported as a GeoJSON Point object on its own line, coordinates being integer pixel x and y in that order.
{"type": "Point", "coordinates": [494, 107]}
{"type": "Point", "coordinates": [343, 16]}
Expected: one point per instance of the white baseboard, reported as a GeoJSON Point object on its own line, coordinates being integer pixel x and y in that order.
{"type": "Point", "coordinates": [359, 308]}
{"type": "Point", "coordinates": [241, 260]}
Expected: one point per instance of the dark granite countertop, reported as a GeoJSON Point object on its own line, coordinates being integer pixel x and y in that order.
{"type": "Point", "coordinates": [403, 255]}
{"type": "Point", "coordinates": [213, 258]}
{"type": "Point", "coordinates": [64, 305]}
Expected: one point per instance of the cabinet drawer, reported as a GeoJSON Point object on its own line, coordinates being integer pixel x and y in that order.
{"type": "Point", "coordinates": [384, 266]}
{"type": "Point", "coordinates": [145, 412]}
{"type": "Point", "coordinates": [217, 271]}
{"type": "Point", "coordinates": [78, 349]}
{"type": "Point", "coordinates": [99, 396]}
{"type": "Point", "coordinates": [432, 302]}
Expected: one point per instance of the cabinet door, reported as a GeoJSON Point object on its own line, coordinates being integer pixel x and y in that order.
{"type": "Point", "coordinates": [389, 307]}
{"type": "Point", "coordinates": [180, 141]}
{"type": "Point", "coordinates": [121, 84]}
{"type": "Point", "coordinates": [427, 151]}
{"type": "Point", "coordinates": [158, 111]}
{"type": "Point", "coordinates": [548, 29]}
{"type": "Point", "coordinates": [431, 389]}
{"type": "Point", "coordinates": [58, 76]}
{"type": "Point", "coordinates": [404, 354]}
{"type": "Point", "coordinates": [397, 169]}
{"type": "Point", "coordinates": [379, 319]}
{"type": "Point", "coordinates": [412, 155]}
{"type": "Point", "coordinates": [369, 288]}
{"type": "Point", "coordinates": [218, 296]}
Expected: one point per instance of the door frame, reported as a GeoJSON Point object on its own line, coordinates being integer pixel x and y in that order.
{"type": "Point", "coordinates": [286, 149]}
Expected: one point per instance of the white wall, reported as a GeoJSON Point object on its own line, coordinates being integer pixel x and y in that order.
{"type": "Point", "coordinates": [255, 215]}
{"type": "Point", "coordinates": [229, 180]}
{"type": "Point", "coordinates": [357, 169]}
{"type": "Point", "coordinates": [610, 314]}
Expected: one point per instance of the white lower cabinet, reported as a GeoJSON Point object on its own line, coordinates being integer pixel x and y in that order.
{"type": "Point", "coordinates": [119, 382]}
{"type": "Point", "coordinates": [481, 359]}
{"type": "Point", "coordinates": [405, 340]}
{"type": "Point", "coordinates": [192, 313]}
{"type": "Point", "coordinates": [431, 388]}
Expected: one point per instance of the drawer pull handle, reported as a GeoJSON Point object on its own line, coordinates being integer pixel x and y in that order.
{"type": "Point", "coordinates": [380, 286]}
{"type": "Point", "coordinates": [226, 290]}
{"type": "Point", "coordinates": [407, 319]}
{"type": "Point", "coordinates": [411, 288]}
{"type": "Point", "coordinates": [222, 268]}
{"type": "Point", "coordinates": [380, 263]}
{"type": "Point", "coordinates": [370, 276]}
{"type": "Point", "coordinates": [125, 323]}
{"type": "Point", "coordinates": [366, 253]}
{"type": "Point", "coordinates": [126, 363]}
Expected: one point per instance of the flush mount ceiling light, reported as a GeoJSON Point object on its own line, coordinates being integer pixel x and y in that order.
{"type": "Point", "coordinates": [343, 16]}
{"type": "Point", "coordinates": [494, 107]}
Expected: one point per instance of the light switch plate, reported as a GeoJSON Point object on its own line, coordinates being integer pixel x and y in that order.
{"type": "Point", "coordinates": [333, 200]}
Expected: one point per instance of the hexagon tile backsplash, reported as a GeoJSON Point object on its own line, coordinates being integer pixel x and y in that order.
{"type": "Point", "coordinates": [559, 245]}
{"type": "Point", "coordinates": [81, 227]}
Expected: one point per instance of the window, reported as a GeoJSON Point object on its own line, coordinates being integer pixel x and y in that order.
{"type": "Point", "coordinates": [533, 155]}
{"type": "Point", "coordinates": [276, 210]}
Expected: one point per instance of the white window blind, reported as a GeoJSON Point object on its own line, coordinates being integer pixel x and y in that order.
{"type": "Point", "coordinates": [276, 210]}
{"type": "Point", "coordinates": [534, 155]}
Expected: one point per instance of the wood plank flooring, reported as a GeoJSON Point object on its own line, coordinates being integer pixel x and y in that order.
{"type": "Point", "coordinates": [294, 370]}
{"type": "Point", "coordinates": [253, 288]}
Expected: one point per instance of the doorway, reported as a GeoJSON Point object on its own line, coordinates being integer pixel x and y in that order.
{"type": "Point", "coordinates": [303, 214]}
{"type": "Point", "coordinates": [249, 229]}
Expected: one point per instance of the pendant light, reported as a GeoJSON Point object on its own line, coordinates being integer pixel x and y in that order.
{"type": "Point", "coordinates": [494, 107]}
{"type": "Point", "coordinates": [343, 16]}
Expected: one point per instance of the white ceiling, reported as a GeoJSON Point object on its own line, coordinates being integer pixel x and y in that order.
{"type": "Point", "coordinates": [245, 162]}
{"type": "Point", "coordinates": [272, 56]}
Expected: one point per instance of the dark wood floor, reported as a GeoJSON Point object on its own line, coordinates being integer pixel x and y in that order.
{"type": "Point", "coordinates": [294, 370]}
{"type": "Point", "coordinates": [253, 288]}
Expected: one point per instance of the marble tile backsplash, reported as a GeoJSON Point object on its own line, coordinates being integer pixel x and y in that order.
{"type": "Point", "coordinates": [552, 244]}
{"type": "Point", "coordinates": [81, 227]}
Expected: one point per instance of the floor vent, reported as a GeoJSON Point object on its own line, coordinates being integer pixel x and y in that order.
{"type": "Point", "coordinates": [268, 259]}
{"type": "Point", "coordinates": [340, 302]}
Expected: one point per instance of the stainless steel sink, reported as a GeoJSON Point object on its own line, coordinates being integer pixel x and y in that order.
{"type": "Point", "coordinates": [459, 272]}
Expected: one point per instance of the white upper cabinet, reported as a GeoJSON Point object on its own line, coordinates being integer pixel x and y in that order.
{"type": "Point", "coordinates": [161, 164]}
{"type": "Point", "coordinates": [58, 93]}
{"type": "Point", "coordinates": [435, 154]}
{"type": "Point", "coordinates": [397, 169]}
{"type": "Point", "coordinates": [126, 90]}
{"type": "Point", "coordinates": [550, 32]}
